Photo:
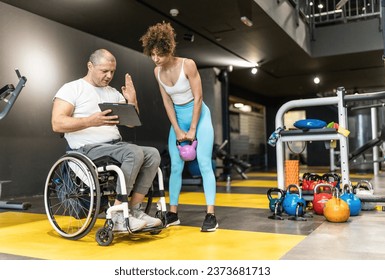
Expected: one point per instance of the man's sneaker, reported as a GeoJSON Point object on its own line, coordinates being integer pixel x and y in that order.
{"type": "Point", "coordinates": [172, 219]}
{"type": "Point", "coordinates": [210, 223]}
{"type": "Point", "coordinates": [138, 213]}
{"type": "Point", "coordinates": [120, 224]}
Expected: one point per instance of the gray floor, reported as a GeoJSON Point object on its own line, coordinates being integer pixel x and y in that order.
{"type": "Point", "coordinates": [361, 238]}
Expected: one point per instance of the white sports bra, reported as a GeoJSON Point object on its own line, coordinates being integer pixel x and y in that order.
{"type": "Point", "coordinates": [180, 93]}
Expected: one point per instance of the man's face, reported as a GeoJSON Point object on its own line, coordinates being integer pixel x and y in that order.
{"type": "Point", "coordinates": [102, 73]}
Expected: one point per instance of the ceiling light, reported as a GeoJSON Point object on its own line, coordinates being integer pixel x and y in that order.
{"type": "Point", "coordinates": [246, 21]}
{"type": "Point", "coordinates": [317, 80]}
{"type": "Point", "coordinates": [238, 105]}
{"type": "Point", "coordinates": [230, 68]}
{"type": "Point", "coordinates": [254, 70]}
{"type": "Point", "coordinates": [245, 10]}
{"type": "Point", "coordinates": [174, 12]}
{"type": "Point", "coordinates": [188, 37]}
{"type": "Point", "coordinates": [246, 108]}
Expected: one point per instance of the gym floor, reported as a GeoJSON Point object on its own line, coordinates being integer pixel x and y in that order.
{"type": "Point", "coordinates": [245, 232]}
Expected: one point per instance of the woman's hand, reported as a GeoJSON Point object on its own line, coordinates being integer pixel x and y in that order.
{"type": "Point", "coordinates": [181, 135]}
{"type": "Point", "coordinates": [190, 135]}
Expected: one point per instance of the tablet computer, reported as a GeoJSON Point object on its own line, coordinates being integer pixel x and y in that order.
{"type": "Point", "coordinates": [126, 112]}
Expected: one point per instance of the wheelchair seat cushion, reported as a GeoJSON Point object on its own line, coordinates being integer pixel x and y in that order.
{"type": "Point", "coordinates": [106, 160]}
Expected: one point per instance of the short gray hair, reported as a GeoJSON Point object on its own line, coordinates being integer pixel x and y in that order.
{"type": "Point", "coordinates": [98, 55]}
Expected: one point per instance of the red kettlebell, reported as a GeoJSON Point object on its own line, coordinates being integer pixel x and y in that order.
{"type": "Point", "coordinates": [322, 193]}
{"type": "Point", "coordinates": [307, 179]}
{"type": "Point", "coordinates": [187, 152]}
{"type": "Point", "coordinates": [331, 178]}
{"type": "Point", "coordinates": [313, 181]}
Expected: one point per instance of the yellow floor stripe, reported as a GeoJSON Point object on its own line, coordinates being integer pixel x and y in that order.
{"type": "Point", "coordinates": [262, 174]}
{"type": "Point", "coordinates": [31, 235]}
{"type": "Point", "coordinates": [309, 169]}
{"type": "Point", "coordinates": [226, 199]}
{"type": "Point", "coordinates": [250, 183]}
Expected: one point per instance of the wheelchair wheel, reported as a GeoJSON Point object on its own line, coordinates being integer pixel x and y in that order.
{"type": "Point", "coordinates": [104, 236]}
{"type": "Point", "coordinates": [72, 196]}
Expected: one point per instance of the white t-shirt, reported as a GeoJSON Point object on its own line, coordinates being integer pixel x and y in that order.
{"type": "Point", "coordinates": [85, 99]}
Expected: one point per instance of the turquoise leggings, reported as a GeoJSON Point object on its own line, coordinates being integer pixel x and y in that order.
{"type": "Point", "coordinates": [205, 137]}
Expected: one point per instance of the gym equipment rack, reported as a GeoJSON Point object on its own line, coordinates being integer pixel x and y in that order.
{"type": "Point", "coordinates": [319, 134]}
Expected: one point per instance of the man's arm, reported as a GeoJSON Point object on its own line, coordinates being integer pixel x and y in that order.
{"type": "Point", "coordinates": [62, 120]}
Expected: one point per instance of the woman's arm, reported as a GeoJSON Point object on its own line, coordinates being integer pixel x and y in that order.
{"type": "Point", "coordinates": [194, 78]}
{"type": "Point", "coordinates": [169, 106]}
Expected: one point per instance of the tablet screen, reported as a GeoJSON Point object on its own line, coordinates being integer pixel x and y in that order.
{"type": "Point", "coordinates": [127, 113]}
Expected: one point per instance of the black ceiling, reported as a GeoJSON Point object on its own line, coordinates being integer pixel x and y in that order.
{"type": "Point", "coordinates": [220, 39]}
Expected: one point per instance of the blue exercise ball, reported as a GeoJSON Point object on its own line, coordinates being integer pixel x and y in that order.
{"type": "Point", "coordinates": [193, 167]}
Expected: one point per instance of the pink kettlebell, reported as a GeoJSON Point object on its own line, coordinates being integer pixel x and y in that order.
{"type": "Point", "coordinates": [187, 152]}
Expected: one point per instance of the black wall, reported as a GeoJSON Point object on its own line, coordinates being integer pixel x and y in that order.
{"type": "Point", "coordinates": [49, 54]}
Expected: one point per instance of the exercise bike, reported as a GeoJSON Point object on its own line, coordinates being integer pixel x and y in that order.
{"type": "Point", "coordinates": [8, 95]}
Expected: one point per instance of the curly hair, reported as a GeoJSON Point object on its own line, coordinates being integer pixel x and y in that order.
{"type": "Point", "coordinates": [159, 37]}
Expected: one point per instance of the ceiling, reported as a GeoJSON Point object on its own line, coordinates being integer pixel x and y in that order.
{"type": "Point", "coordinates": [220, 40]}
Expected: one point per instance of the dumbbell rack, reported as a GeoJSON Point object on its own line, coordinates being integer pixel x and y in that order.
{"type": "Point", "coordinates": [323, 134]}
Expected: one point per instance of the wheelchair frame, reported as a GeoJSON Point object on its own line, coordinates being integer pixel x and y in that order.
{"type": "Point", "coordinates": [78, 189]}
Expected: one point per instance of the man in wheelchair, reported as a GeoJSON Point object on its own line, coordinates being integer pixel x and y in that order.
{"type": "Point", "coordinates": [93, 132]}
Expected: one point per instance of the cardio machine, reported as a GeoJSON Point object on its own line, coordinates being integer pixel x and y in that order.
{"type": "Point", "coordinates": [8, 95]}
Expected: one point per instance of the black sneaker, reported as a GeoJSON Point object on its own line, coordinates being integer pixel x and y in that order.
{"type": "Point", "coordinates": [172, 219]}
{"type": "Point", "coordinates": [210, 223]}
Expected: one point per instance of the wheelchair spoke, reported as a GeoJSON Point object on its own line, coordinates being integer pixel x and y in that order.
{"type": "Point", "coordinates": [72, 197]}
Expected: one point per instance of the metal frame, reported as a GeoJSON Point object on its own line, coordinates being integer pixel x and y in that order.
{"type": "Point", "coordinates": [340, 100]}
{"type": "Point", "coordinates": [10, 99]}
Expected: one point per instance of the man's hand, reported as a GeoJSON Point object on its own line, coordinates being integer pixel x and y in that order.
{"type": "Point", "coordinates": [101, 118]}
{"type": "Point", "coordinates": [129, 91]}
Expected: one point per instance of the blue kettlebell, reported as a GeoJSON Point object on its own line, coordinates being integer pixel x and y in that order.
{"type": "Point", "coordinates": [293, 203]}
{"type": "Point", "coordinates": [275, 196]}
{"type": "Point", "coordinates": [353, 201]}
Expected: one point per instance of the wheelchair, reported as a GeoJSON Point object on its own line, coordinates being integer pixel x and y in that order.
{"type": "Point", "coordinates": [78, 190]}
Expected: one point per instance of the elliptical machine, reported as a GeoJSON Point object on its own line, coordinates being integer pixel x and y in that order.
{"type": "Point", "coordinates": [8, 95]}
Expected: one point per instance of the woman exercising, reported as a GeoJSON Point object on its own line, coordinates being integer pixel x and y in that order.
{"type": "Point", "coordinates": [181, 88]}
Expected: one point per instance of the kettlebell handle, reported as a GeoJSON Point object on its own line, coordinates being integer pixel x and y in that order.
{"type": "Point", "coordinates": [275, 190]}
{"type": "Point", "coordinates": [294, 186]}
{"type": "Point", "coordinates": [323, 185]}
{"type": "Point", "coordinates": [348, 188]}
{"type": "Point", "coordinates": [365, 184]}
{"type": "Point", "coordinates": [190, 141]}
{"type": "Point", "coordinates": [336, 191]}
